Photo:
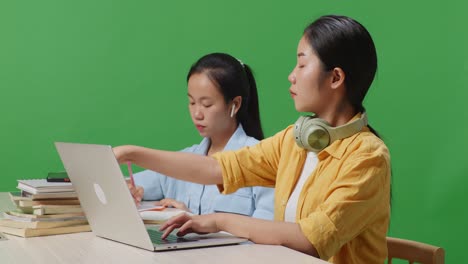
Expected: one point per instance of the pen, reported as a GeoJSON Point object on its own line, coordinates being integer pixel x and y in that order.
{"type": "Point", "coordinates": [129, 166]}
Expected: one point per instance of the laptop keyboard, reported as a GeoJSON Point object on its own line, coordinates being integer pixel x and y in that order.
{"type": "Point", "coordinates": [155, 237]}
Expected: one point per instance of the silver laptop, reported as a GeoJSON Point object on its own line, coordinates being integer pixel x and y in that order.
{"type": "Point", "coordinates": [109, 206]}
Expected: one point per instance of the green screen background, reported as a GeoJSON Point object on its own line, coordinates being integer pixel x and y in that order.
{"type": "Point", "coordinates": [113, 72]}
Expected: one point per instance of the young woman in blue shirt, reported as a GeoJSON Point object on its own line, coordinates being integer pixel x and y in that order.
{"type": "Point", "coordinates": [223, 104]}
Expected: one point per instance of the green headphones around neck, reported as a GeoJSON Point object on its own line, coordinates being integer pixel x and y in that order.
{"type": "Point", "coordinates": [315, 134]}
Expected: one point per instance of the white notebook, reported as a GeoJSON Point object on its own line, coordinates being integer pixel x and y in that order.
{"type": "Point", "coordinates": [35, 186]}
{"type": "Point", "coordinates": [161, 216]}
{"type": "Point", "coordinates": [149, 206]}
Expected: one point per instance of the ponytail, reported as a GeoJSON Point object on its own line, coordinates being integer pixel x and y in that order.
{"type": "Point", "coordinates": [250, 119]}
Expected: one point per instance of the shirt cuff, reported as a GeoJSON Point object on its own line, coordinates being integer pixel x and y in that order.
{"type": "Point", "coordinates": [321, 233]}
{"type": "Point", "coordinates": [230, 183]}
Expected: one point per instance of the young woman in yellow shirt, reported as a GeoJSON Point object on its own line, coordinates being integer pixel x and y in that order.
{"type": "Point", "coordinates": [331, 171]}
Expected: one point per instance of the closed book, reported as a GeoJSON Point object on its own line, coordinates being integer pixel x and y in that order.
{"type": "Point", "coordinates": [33, 232]}
{"type": "Point", "coordinates": [41, 224]}
{"type": "Point", "coordinates": [21, 214]}
{"type": "Point", "coordinates": [35, 186]}
{"type": "Point", "coordinates": [26, 203]}
{"type": "Point", "coordinates": [56, 209]}
{"type": "Point", "coordinates": [12, 215]}
{"type": "Point", "coordinates": [25, 196]}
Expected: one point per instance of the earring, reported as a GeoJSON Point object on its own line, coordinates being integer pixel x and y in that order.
{"type": "Point", "coordinates": [232, 110]}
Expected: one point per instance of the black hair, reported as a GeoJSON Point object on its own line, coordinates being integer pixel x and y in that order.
{"type": "Point", "coordinates": [340, 41]}
{"type": "Point", "coordinates": [233, 78]}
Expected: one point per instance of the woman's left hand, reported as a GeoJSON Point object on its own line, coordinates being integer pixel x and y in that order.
{"type": "Point", "coordinates": [200, 224]}
{"type": "Point", "coordinates": [168, 202]}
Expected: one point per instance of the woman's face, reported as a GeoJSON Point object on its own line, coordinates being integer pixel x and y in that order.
{"type": "Point", "coordinates": [308, 80]}
{"type": "Point", "coordinates": [209, 112]}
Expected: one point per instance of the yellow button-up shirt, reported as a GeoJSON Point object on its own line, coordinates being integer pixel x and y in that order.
{"type": "Point", "coordinates": [344, 206]}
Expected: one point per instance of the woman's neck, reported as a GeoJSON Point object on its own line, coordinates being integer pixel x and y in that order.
{"type": "Point", "coordinates": [219, 142]}
{"type": "Point", "coordinates": [339, 115]}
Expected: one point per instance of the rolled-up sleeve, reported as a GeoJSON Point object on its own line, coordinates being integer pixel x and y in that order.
{"type": "Point", "coordinates": [250, 166]}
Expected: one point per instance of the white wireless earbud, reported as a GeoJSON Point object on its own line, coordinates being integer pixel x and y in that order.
{"type": "Point", "coordinates": [232, 110]}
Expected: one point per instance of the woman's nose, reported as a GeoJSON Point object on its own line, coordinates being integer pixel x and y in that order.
{"type": "Point", "coordinates": [292, 78]}
{"type": "Point", "coordinates": [198, 113]}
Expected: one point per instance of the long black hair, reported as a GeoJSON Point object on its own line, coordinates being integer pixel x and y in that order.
{"type": "Point", "coordinates": [340, 41]}
{"type": "Point", "coordinates": [233, 78]}
{"type": "Point", "coordinates": [343, 42]}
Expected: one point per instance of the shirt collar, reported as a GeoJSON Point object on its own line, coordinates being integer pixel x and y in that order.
{"type": "Point", "coordinates": [237, 139]}
{"type": "Point", "coordinates": [338, 148]}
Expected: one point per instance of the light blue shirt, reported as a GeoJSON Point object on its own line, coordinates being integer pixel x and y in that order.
{"type": "Point", "coordinates": [204, 199]}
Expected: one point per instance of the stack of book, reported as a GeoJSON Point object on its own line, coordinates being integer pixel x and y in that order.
{"type": "Point", "coordinates": [44, 208]}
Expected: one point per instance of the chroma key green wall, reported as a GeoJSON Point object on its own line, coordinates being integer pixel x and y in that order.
{"type": "Point", "coordinates": [113, 72]}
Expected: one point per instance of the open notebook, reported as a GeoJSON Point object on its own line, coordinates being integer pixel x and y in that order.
{"type": "Point", "coordinates": [160, 216]}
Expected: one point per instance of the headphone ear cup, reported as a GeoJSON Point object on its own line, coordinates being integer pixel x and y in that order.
{"type": "Point", "coordinates": [310, 134]}
{"type": "Point", "coordinates": [318, 138]}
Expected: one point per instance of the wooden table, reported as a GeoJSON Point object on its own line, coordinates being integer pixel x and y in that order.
{"type": "Point", "coordinates": [87, 248]}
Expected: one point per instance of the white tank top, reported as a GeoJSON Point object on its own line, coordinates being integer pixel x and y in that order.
{"type": "Point", "coordinates": [309, 166]}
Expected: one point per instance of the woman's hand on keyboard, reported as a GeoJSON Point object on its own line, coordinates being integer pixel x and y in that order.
{"type": "Point", "coordinates": [200, 224]}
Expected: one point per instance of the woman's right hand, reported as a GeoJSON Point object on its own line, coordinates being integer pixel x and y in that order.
{"type": "Point", "coordinates": [136, 191]}
{"type": "Point", "coordinates": [200, 224]}
{"type": "Point", "coordinates": [120, 152]}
